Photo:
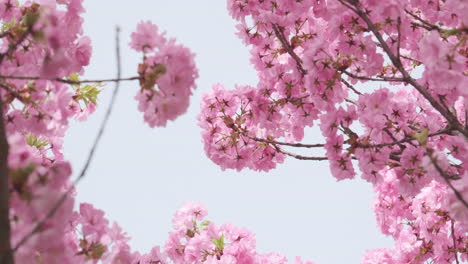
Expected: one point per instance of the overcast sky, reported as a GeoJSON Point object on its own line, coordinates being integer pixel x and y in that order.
{"type": "Point", "coordinates": [141, 176]}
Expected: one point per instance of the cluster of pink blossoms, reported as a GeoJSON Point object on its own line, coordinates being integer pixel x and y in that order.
{"type": "Point", "coordinates": [196, 240]}
{"type": "Point", "coordinates": [407, 135]}
{"type": "Point", "coordinates": [40, 92]}
{"type": "Point", "coordinates": [167, 75]}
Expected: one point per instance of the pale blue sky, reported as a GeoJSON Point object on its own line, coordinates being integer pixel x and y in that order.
{"type": "Point", "coordinates": [141, 176]}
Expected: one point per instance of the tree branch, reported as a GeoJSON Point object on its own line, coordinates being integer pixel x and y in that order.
{"type": "Point", "coordinates": [446, 177]}
{"type": "Point", "coordinates": [33, 78]}
{"type": "Point", "coordinates": [424, 24]}
{"type": "Point", "coordinates": [407, 139]}
{"type": "Point", "coordinates": [455, 253]}
{"type": "Point", "coordinates": [297, 156]}
{"type": "Point", "coordinates": [380, 79]}
{"type": "Point", "coordinates": [82, 174]}
{"type": "Point", "coordinates": [297, 145]}
{"type": "Point", "coordinates": [398, 38]}
{"type": "Point", "coordinates": [350, 87]}
{"type": "Point", "coordinates": [285, 43]}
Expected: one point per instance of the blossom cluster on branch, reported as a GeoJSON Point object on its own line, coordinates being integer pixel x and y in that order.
{"type": "Point", "coordinates": [167, 75]}
{"type": "Point", "coordinates": [40, 92]}
{"type": "Point", "coordinates": [407, 134]}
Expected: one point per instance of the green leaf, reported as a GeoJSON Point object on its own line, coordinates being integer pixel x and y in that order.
{"type": "Point", "coordinates": [446, 33]}
{"type": "Point", "coordinates": [7, 26]}
{"type": "Point", "coordinates": [19, 178]}
{"type": "Point", "coordinates": [150, 77]}
{"type": "Point", "coordinates": [219, 243]}
{"type": "Point", "coordinates": [31, 18]}
{"type": "Point", "coordinates": [96, 251]}
{"type": "Point", "coordinates": [421, 136]}
{"type": "Point", "coordinates": [75, 77]}
{"type": "Point", "coordinates": [89, 93]}
{"type": "Point", "coordinates": [36, 142]}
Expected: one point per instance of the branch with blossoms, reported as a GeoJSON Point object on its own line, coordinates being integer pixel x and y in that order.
{"type": "Point", "coordinates": [289, 49]}
{"type": "Point", "coordinates": [428, 26]}
{"type": "Point", "coordinates": [328, 46]}
{"type": "Point", "coordinates": [276, 145]}
{"type": "Point", "coordinates": [56, 206]}
{"type": "Point", "coordinates": [451, 119]}
{"type": "Point", "coordinates": [447, 177]}
{"type": "Point", "coordinates": [40, 91]}
{"type": "Point", "coordinates": [350, 42]}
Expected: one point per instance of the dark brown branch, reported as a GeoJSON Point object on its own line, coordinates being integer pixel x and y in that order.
{"type": "Point", "coordinates": [347, 5]}
{"type": "Point", "coordinates": [398, 38]}
{"type": "Point", "coordinates": [424, 24]}
{"type": "Point", "coordinates": [82, 174]}
{"type": "Point", "coordinates": [455, 253]}
{"type": "Point", "coordinates": [415, 24]}
{"type": "Point", "coordinates": [350, 87]}
{"type": "Point", "coordinates": [6, 254]}
{"type": "Point", "coordinates": [285, 43]}
{"type": "Point", "coordinates": [451, 119]}
{"type": "Point", "coordinates": [466, 119]}
{"type": "Point", "coordinates": [297, 145]}
{"type": "Point", "coordinates": [32, 78]}
{"type": "Point", "coordinates": [411, 59]}
{"type": "Point", "coordinates": [350, 101]}
{"type": "Point", "coordinates": [299, 157]}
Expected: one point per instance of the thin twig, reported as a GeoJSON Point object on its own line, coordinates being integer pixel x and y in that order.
{"type": "Point", "coordinates": [82, 174]}
{"type": "Point", "coordinates": [284, 42]}
{"type": "Point", "coordinates": [415, 24]}
{"type": "Point", "coordinates": [407, 139]}
{"type": "Point", "coordinates": [466, 119]}
{"type": "Point", "coordinates": [297, 156]}
{"type": "Point", "coordinates": [297, 145]}
{"type": "Point", "coordinates": [446, 177]}
{"type": "Point", "coordinates": [425, 24]}
{"type": "Point", "coordinates": [33, 78]}
{"type": "Point", "coordinates": [411, 59]}
{"type": "Point", "coordinates": [454, 241]}
{"type": "Point", "coordinates": [398, 38]}
{"type": "Point", "coordinates": [379, 79]}
{"type": "Point", "coordinates": [350, 87]}
{"type": "Point", "coordinates": [347, 5]}
{"type": "Point", "coordinates": [350, 101]}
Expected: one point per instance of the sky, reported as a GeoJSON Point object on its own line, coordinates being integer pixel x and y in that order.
{"type": "Point", "coordinates": [140, 175]}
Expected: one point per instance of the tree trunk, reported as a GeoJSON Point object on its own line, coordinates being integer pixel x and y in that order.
{"type": "Point", "coordinates": [6, 255]}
